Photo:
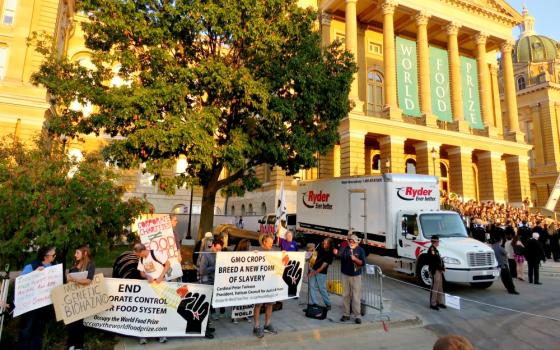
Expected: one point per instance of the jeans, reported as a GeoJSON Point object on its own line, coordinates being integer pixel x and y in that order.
{"type": "Point", "coordinates": [32, 327]}
{"type": "Point", "coordinates": [318, 283]}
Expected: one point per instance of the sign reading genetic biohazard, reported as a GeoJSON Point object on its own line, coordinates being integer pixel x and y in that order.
{"type": "Point", "coordinates": [257, 277]}
{"type": "Point", "coordinates": [143, 309]}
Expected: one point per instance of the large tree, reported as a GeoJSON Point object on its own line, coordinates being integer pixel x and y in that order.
{"type": "Point", "coordinates": [227, 84]}
{"type": "Point", "coordinates": [48, 199]}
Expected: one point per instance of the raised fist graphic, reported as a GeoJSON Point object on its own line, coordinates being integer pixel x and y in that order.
{"type": "Point", "coordinates": [292, 276]}
{"type": "Point", "coordinates": [194, 310]}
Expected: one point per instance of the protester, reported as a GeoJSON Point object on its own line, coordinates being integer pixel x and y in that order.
{"type": "Point", "coordinates": [318, 273]}
{"type": "Point", "coordinates": [508, 246]}
{"type": "Point", "coordinates": [518, 251]}
{"type": "Point", "coordinates": [202, 245]}
{"type": "Point", "coordinates": [206, 271]}
{"type": "Point", "coordinates": [83, 262]}
{"type": "Point", "coordinates": [243, 245]}
{"type": "Point", "coordinates": [453, 342]}
{"type": "Point", "coordinates": [178, 237]}
{"type": "Point", "coordinates": [502, 259]}
{"type": "Point", "coordinates": [258, 331]}
{"type": "Point", "coordinates": [534, 254]}
{"type": "Point", "coordinates": [33, 322]}
{"type": "Point", "coordinates": [287, 243]}
{"type": "Point", "coordinates": [352, 259]}
{"type": "Point", "coordinates": [436, 267]}
{"type": "Point", "coordinates": [153, 266]}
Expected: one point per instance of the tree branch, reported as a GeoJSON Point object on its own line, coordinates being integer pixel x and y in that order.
{"type": "Point", "coordinates": [230, 179]}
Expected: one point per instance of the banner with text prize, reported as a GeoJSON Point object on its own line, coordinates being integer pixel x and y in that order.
{"type": "Point", "coordinates": [471, 99]}
{"type": "Point", "coordinates": [143, 309]}
{"type": "Point", "coordinates": [156, 233]}
{"type": "Point", "coordinates": [439, 77]}
{"type": "Point", "coordinates": [244, 278]}
{"type": "Point", "coordinates": [407, 76]}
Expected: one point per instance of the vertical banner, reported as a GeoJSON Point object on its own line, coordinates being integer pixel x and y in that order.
{"type": "Point", "coordinates": [407, 76]}
{"type": "Point", "coordinates": [244, 278]}
{"type": "Point", "coordinates": [143, 309]}
{"type": "Point", "coordinates": [156, 233]}
{"type": "Point", "coordinates": [439, 77]}
{"type": "Point", "coordinates": [33, 290]}
{"type": "Point", "coordinates": [471, 99]}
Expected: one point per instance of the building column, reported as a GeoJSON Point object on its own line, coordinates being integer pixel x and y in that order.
{"type": "Point", "coordinates": [389, 61]}
{"type": "Point", "coordinates": [352, 153]}
{"type": "Point", "coordinates": [510, 94]}
{"type": "Point", "coordinates": [455, 77]}
{"type": "Point", "coordinates": [517, 173]}
{"type": "Point", "coordinates": [427, 158]}
{"type": "Point", "coordinates": [351, 32]}
{"type": "Point", "coordinates": [422, 19]}
{"type": "Point", "coordinates": [329, 164]}
{"type": "Point", "coordinates": [490, 176]}
{"type": "Point", "coordinates": [496, 100]}
{"type": "Point", "coordinates": [461, 173]}
{"type": "Point", "coordinates": [392, 154]}
{"type": "Point", "coordinates": [484, 86]}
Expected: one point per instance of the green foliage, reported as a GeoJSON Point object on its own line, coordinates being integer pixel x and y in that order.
{"type": "Point", "coordinates": [41, 204]}
{"type": "Point", "coordinates": [226, 84]}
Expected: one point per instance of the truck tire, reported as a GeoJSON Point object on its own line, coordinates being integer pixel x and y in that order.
{"type": "Point", "coordinates": [423, 273]}
{"type": "Point", "coordinates": [481, 285]}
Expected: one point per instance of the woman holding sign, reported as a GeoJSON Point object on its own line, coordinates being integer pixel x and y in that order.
{"type": "Point", "coordinates": [81, 273]}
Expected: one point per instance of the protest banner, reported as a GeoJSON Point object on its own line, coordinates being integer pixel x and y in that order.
{"type": "Point", "coordinates": [33, 290]}
{"type": "Point", "coordinates": [143, 309]}
{"type": "Point", "coordinates": [257, 277]}
{"type": "Point", "coordinates": [156, 233]}
{"type": "Point", "coordinates": [73, 301]}
{"type": "Point", "coordinates": [242, 311]}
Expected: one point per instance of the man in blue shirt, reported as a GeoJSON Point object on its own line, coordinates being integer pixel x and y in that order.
{"type": "Point", "coordinates": [352, 259]}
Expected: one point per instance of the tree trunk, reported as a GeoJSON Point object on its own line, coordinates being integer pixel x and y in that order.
{"type": "Point", "coordinates": [207, 210]}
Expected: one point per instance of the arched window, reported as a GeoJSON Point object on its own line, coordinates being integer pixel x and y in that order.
{"type": "Point", "coordinates": [410, 166]}
{"type": "Point", "coordinates": [375, 92]}
{"type": "Point", "coordinates": [376, 163]}
{"type": "Point", "coordinates": [233, 210]}
{"type": "Point", "coordinates": [521, 84]}
{"type": "Point", "coordinates": [243, 210]}
{"type": "Point", "coordinates": [444, 177]}
{"type": "Point", "coordinates": [250, 209]}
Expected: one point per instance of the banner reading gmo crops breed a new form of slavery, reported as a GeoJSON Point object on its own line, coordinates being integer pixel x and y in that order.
{"type": "Point", "coordinates": [257, 277]}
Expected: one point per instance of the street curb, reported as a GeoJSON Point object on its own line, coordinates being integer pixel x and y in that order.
{"type": "Point", "coordinates": [268, 340]}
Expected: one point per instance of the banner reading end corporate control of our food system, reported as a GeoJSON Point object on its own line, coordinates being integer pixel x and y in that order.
{"type": "Point", "coordinates": [257, 277]}
{"type": "Point", "coordinates": [156, 233]}
{"type": "Point", "coordinates": [143, 309]}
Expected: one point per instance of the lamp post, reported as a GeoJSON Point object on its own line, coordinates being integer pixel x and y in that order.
{"type": "Point", "coordinates": [434, 154]}
{"type": "Point", "coordinates": [190, 215]}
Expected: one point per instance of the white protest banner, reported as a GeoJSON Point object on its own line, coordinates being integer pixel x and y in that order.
{"type": "Point", "coordinates": [156, 233]}
{"type": "Point", "coordinates": [74, 301]}
{"type": "Point", "coordinates": [257, 277]}
{"type": "Point", "coordinates": [33, 290]}
{"type": "Point", "coordinates": [242, 311]}
{"type": "Point", "coordinates": [143, 309]}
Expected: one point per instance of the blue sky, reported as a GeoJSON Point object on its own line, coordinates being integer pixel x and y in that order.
{"type": "Point", "coordinates": [546, 16]}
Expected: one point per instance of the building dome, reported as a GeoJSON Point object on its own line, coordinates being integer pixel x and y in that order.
{"type": "Point", "coordinates": [532, 47]}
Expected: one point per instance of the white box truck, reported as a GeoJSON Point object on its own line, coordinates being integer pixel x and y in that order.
{"type": "Point", "coordinates": [395, 215]}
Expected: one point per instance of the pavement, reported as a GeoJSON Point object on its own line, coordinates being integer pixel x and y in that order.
{"type": "Point", "coordinates": [550, 268]}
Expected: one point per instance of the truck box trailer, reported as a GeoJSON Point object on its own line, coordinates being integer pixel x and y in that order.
{"type": "Point", "coordinates": [395, 215]}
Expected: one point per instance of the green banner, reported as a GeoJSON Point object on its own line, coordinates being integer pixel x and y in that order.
{"type": "Point", "coordinates": [471, 99]}
{"type": "Point", "coordinates": [407, 76]}
{"type": "Point", "coordinates": [439, 77]}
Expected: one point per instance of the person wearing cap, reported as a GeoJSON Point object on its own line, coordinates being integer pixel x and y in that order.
{"type": "Point", "coordinates": [352, 259]}
{"type": "Point", "coordinates": [435, 264]}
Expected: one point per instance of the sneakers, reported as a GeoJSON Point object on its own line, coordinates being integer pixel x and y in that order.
{"type": "Point", "coordinates": [162, 340]}
{"type": "Point", "coordinates": [358, 320]}
{"type": "Point", "coordinates": [433, 307]}
{"type": "Point", "coordinates": [328, 307]}
{"type": "Point", "coordinates": [235, 320]}
{"type": "Point", "coordinates": [442, 306]}
{"type": "Point", "coordinates": [270, 329]}
{"type": "Point", "coordinates": [143, 341]}
{"type": "Point", "coordinates": [209, 335]}
{"type": "Point", "coordinates": [258, 332]}
{"type": "Point", "coordinates": [345, 318]}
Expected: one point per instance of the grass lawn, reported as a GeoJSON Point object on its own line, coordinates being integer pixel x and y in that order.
{"type": "Point", "coordinates": [107, 258]}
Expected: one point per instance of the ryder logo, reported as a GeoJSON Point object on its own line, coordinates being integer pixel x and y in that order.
{"type": "Point", "coordinates": [316, 200]}
{"type": "Point", "coordinates": [410, 193]}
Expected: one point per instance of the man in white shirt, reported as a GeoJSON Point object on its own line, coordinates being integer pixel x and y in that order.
{"type": "Point", "coordinates": [152, 265]}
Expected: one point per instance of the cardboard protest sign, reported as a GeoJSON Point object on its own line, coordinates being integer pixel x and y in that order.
{"type": "Point", "coordinates": [33, 290]}
{"type": "Point", "coordinates": [257, 277]}
{"type": "Point", "coordinates": [143, 309]}
{"type": "Point", "coordinates": [73, 301]}
{"type": "Point", "coordinates": [156, 233]}
{"type": "Point", "coordinates": [242, 311]}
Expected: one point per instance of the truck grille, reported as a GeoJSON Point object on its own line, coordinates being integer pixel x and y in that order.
{"type": "Point", "coordinates": [480, 259]}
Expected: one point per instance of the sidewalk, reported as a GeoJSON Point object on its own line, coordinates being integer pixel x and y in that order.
{"type": "Point", "coordinates": [548, 269]}
{"type": "Point", "coordinates": [290, 322]}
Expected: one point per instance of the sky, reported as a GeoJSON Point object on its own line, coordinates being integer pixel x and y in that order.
{"type": "Point", "coordinates": [546, 13]}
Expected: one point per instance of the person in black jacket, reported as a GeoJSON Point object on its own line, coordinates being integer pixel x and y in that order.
{"type": "Point", "coordinates": [436, 266]}
{"type": "Point", "coordinates": [534, 254]}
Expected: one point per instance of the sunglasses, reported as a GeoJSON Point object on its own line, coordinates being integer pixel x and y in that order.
{"type": "Point", "coordinates": [53, 255]}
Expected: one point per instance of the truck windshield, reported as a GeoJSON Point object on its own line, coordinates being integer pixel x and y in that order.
{"type": "Point", "coordinates": [443, 225]}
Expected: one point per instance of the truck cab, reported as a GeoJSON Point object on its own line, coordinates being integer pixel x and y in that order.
{"type": "Point", "coordinates": [466, 260]}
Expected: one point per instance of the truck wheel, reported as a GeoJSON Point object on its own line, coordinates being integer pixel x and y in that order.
{"type": "Point", "coordinates": [423, 274]}
{"type": "Point", "coordinates": [481, 285]}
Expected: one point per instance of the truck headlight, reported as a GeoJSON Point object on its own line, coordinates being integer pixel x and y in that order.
{"type": "Point", "coordinates": [451, 261]}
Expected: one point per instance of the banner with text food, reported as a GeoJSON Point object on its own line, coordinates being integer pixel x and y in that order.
{"type": "Point", "coordinates": [156, 233]}
{"type": "Point", "coordinates": [407, 76]}
{"type": "Point", "coordinates": [33, 290]}
{"type": "Point", "coordinates": [143, 309]}
{"type": "Point", "coordinates": [73, 301]}
{"type": "Point", "coordinates": [244, 278]}
{"type": "Point", "coordinates": [471, 99]}
{"type": "Point", "coordinates": [439, 77]}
